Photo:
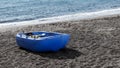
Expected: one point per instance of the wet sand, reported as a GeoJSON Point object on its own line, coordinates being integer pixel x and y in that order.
{"type": "Point", "coordinates": [94, 43]}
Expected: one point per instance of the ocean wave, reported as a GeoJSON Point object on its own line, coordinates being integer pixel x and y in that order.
{"type": "Point", "coordinates": [72, 17]}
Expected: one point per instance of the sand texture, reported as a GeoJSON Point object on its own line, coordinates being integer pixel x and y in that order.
{"type": "Point", "coordinates": [94, 43]}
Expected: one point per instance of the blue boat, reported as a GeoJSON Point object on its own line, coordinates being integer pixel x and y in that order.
{"type": "Point", "coordinates": [42, 41]}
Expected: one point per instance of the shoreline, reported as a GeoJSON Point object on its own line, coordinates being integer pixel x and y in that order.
{"type": "Point", "coordinates": [64, 18]}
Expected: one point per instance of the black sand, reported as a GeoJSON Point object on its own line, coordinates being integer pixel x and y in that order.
{"type": "Point", "coordinates": [94, 44]}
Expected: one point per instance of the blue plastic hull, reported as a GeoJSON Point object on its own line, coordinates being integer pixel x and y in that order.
{"type": "Point", "coordinates": [50, 41]}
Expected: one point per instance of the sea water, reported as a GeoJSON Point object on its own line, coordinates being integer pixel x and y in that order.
{"type": "Point", "coordinates": [24, 10]}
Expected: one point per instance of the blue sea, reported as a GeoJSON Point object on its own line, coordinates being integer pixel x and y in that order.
{"type": "Point", "coordinates": [24, 10]}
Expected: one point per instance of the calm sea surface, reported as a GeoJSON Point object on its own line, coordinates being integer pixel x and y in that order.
{"type": "Point", "coordinates": [21, 10]}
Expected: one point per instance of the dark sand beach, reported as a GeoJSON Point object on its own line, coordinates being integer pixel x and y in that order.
{"type": "Point", "coordinates": [94, 43]}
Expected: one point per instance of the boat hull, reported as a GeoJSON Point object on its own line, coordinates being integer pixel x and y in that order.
{"type": "Point", "coordinates": [54, 42]}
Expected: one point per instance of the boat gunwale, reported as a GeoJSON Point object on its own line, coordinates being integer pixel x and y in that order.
{"type": "Point", "coordinates": [43, 38]}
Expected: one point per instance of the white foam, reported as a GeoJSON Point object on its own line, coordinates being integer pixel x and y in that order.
{"type": "Point", "coordinates": [72, 17]}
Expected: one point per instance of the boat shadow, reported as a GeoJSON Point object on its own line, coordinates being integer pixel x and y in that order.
{"type": "Point", "coordinates": [65, 53]}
